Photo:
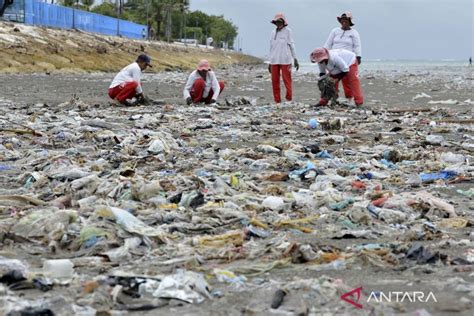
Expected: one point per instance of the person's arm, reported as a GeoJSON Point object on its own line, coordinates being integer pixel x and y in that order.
{"type": "Point", "coordinates": [291, 44]}
{"type": "Point", "coordinates": [330, 41]}
{"type": "Point", "coordinates": [357, 46]}
{"type": "Point", "coordinates": [136, 75]}
{"type": "Point", "coordinates": [188, 86]}
{"type": "Point", "coordinates": [216, 88]}
{"type": "Point", "coordinates": [270, 52]}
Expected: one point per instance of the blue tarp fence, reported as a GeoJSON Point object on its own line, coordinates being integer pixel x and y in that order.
{"type": "Point", "coordinates": [14, 12]}
{"type": "Point", "coordinates": [44, 14]}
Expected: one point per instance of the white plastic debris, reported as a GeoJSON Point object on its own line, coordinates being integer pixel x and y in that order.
{"type": "Point", "coordinates": [187, 286]}
{"type": "Point", "coordinates": [274, 203]}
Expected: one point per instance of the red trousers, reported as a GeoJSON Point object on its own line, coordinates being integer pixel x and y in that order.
{"type": "Point", "coordinates": [351, 85]}
{"type": "Point", "coordinates": [198, 89]}
{"type": "Point", "coordinates": [286, 73]}
{"type": "Point", "coordinates": [124, 91]}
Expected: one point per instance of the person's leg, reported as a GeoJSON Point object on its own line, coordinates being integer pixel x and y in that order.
{"type": "Point", "coordinates": [276, 83]}
{"type": "Point", "coordinates": [222, 86]}
{"type": "Point", "coordinates": [113, 92]}
{"type": "Point", "coordinates": [197, 90]}
{"type": "Point", "coordinates": [127, 92]}
{"type": "Point", "coordinates": [211, 93]}
{"type": "Point", "coordinates": [323, 102]}
{"type": "Point", "coordinates": [345, 86]}
{"type": "Point", "coordinates": [353, 84]}
{"type": "Point", "coordinates": [286, 72]}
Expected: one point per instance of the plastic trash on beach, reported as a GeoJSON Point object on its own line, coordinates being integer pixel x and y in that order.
{"type": "Point", "coordinates": [130, 223]}
{"type": "Point", "coordinates": [186, 286]}
{"type": "Point", "coordinates": [115, 201]}
{"type": "Point", "coordinates": [274, 203]}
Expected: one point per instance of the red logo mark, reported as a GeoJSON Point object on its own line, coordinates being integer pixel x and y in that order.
{"type": "Point", "coordinates": [357, 292]}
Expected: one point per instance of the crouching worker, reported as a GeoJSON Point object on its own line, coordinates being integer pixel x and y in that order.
{"type": "Point", "coordinates": [126, 87]}
{"type": "Point", "coordinates": [202, 85]}
{"type": "Point", "coordinates": [341, 65]}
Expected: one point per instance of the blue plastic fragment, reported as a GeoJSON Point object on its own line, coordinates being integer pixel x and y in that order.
{"type": "Point", "coordinates": [443, 175]}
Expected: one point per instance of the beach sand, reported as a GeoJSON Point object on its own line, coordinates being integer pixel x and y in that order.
{"type": "Point", "coordinates": [383, 90]}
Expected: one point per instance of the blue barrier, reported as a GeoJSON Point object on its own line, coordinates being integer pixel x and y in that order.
{"type": "Point", "coordinates": [44, 14]}
{"type": "Point", "coordinates": [14, 12]}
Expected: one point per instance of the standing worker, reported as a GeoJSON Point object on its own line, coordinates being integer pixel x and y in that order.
{"type": "Point", "coordinates": [341, 65]}
{"type": "Point", "coordinates": [126, 85]}
{"type": "Point", "coordinates": [347, 38]}
{"type": "Point", "coordinates": [281, 57]}
{"type": "Point", "coordinates": [202, 85]}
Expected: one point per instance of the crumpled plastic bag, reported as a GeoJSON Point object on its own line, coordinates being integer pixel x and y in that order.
{"type": "Point", "coordinates": [143, 191]}
{"type": "Point", "coordinates": [131, 224]}
{"type": "Point", "coordinates": [41, 223]}
{"type": "Point", "coordinates": [187, 286]}
{"type": "Point", "coordinates": [436, 202]}
{"type": "Point", "coordinates": [327, 197]}
{"type": "Point", "coordinates": [120, 253]}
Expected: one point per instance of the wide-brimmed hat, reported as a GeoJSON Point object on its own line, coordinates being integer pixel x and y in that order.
{"type": "Point", "coordinates": [279, 17]}
{"type": "Point", "coordinates": [319, 54]}
{"type": "Point", "coordinates": [347, 15]}
{"type": "Point", "coordinates": [203, 65]}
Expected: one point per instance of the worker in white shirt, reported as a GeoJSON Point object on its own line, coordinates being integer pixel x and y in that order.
{"type": "Point", "coordinates": [202, 85]}
{"type": "Point", "coordinates": [341, 65]}
{"type": "Point", "coordinates": [345, 37]}
{"type": "Point", "coordinates": [281, 57]}
{"type": "Point", "coordinates": [126, 85]}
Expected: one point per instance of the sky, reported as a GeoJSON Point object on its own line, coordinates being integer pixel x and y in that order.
{"type": "Point", "coordinates": [389, 29]}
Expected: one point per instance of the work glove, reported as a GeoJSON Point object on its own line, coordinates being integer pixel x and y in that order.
{"type": "Point", "coordinates": [189, 100]}
{"type": "Point", "coordinates": [297, 65]}
{"type": "Point", "coordinates": [359, 60]}
{"type": "Point", "coordinates": [269, 68]}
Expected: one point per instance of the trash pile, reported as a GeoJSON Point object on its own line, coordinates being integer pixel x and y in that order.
{"type": "Point", "coordinates": [134, 209]}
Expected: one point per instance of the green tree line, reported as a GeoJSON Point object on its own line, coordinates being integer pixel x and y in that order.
{"type": "Point", "coordinates": [166, 19]}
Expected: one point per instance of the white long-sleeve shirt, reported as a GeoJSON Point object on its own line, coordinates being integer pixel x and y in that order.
{"type": "Point", "coordinates": [349, 40]}
{"type": "Point", "coordinates": [130, 73]}
{"type": "Point", "coordinates": [211, 83]}
{"type": "Point", "coordinates": [282, 47]}
{"type": "Point", "coordinates": [339, 61]}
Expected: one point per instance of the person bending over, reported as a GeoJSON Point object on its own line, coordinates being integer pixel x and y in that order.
{"type": "Point", "coordinates": [341, 65]}
{"type": "Point", "coordinates": [126, 88]}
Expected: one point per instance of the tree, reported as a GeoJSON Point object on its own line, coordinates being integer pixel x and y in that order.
{"type": "Point", "coordinates": [171, 19]}
{"type": "Point", "coordinates": [68, 3]}
{"type": "Point", "coordinates": [160, 13]}
{"type": "Point", "coordinates": [106, 8]}
{"type": "Point", "coordinates": [223, 31]}
{"type": "Point", "coordinates": [88, 4]}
